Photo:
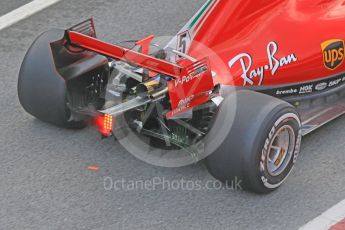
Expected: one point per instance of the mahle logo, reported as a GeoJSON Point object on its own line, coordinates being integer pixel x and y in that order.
{"type": "Point", "coordinates": [333, 53]}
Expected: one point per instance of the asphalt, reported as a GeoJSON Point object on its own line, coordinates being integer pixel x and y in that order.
{"type": "Point", "coordinates": [9, 5]}
{"type": "Point", "coordinates": [44, 180]}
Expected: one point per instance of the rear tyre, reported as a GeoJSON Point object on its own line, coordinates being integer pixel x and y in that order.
{"type": "Point", "coordinates": [262, 145]}
{"type": "Point", "coordinates": [41, 90]}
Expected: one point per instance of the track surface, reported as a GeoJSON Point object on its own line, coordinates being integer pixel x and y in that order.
{"type": "Point", "coordinates": [44, 181]}
{"type": "Point", "coordinates": [9, 5]}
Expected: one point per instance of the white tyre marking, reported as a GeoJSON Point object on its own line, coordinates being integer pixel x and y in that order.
{"type": "Point", "coordinates": [276, 124]}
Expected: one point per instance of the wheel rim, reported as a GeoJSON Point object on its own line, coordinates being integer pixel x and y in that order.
{"type": "Point", "coordinates": [280, 150]}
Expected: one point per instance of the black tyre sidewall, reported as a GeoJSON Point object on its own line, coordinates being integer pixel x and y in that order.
{"type": "Point", "coordinates": [238, 155]}
{"type": "Point", "coordinates": [41, 90]}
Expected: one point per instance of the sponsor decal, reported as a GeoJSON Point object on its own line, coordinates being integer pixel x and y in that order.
{"type": "Point", "coordinates": [185, 102]}
{"type": "Point", "coordinates": [188, 103]}
{"type": "Point", "coordinates": [180, 109]}
{"type": "Point", "coordinates": [286, 91]}
{"type": "Point", "coordinates": [306, 89]}
{"type": "Point", "coordinates": [274, 63]}
{"type": "Point", "coordinates": [194, 74]}
{"type": "Point", "coordinates": [199, 71]}
{"type": "Point", "coordinates": [321, 86]}
{"type": "Point", "coordinates": [334, 83]}
{"type": "Point", "coordinates": [333, 53]}
{"type": "Point", "coordinates": [184, 79]}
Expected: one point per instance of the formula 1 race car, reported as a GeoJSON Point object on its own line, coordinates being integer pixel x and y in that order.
{"type": "Point", "coordinates": [238, 86]}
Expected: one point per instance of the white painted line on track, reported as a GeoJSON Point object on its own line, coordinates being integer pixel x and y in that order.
{"type": "Point", "coordinates": [328, 219]}
{"type": "Point", "coordinates": [24, 11]}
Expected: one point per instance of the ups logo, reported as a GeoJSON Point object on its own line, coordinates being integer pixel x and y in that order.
{"type": "Point", "coordinates": [333, 53]}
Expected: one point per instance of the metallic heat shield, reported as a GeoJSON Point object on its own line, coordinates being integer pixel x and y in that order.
{"type": "Point", "coordinates": [126, 106]}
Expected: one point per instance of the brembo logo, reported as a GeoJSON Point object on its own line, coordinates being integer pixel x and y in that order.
{"type": "Point", "coordinates": [333, 53]}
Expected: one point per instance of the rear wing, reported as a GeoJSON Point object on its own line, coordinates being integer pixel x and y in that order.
{"type": "Point", "coordinates": [84, 35]}
{"type": "Point", "coordinates": [191, 84]}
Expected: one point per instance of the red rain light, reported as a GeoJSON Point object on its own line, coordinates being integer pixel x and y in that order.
{"type": "Point", "coordinates": [105, 124]}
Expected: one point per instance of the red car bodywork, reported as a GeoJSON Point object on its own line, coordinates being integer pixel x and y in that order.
{"type": "Point", "coordinates": [282, 48]}
{"type": "Point", "coordinates": [290, 33]}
